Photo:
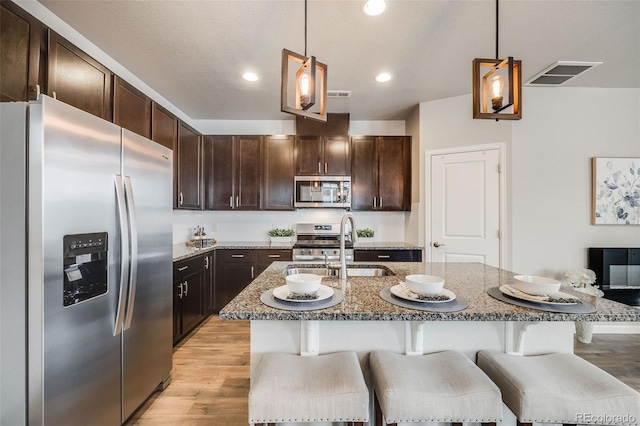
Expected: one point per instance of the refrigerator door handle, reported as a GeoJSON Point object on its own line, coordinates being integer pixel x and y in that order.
{"type": "Point", "coordinates": [133, 235]}
{"type": "Point", "coordinates": [124, 253]}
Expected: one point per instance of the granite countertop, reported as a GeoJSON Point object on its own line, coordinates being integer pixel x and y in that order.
{"type": "Point", "coordinates": [182, 251]}
{"type": "Point", "coordinates": [383, 245]}
{"type": "Point", "coordinates": [363, 302]}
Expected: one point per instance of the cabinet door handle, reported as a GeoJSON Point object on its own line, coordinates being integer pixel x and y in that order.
{"type": "Point", "coordinates": [206, 262]}
{"type": "Point", "coordinates": [274, 256]}
{"type": "Point", "coordinates": [325, 168]}
{"type": "Point", "coordinates": [180, 198]}
{"type": "Point", "coordinates": [252, 272]}
{"type": "Point", "coordinates": [383, 256]}
{"type": "Point", "coordinates": [380, 202]}
{"type": "Point", "coordinates": [184, 268]}
{"type": "Point", "coordinates": [237, 201]}
{"type": "Point", "coordinates": [55, 96]}
{"type": "Point", "coordinates": [231, 201]}
{"type": "Point", "coordinates": [180, 295]}
{"type": "Point", "coordinates": [237, 255]}
{"type": "Point", "coordinates": [319, 167]}
{"type": "Point", "coordinates": [375, 205]}
{"type": "Point", "coordinates": [186, 289]}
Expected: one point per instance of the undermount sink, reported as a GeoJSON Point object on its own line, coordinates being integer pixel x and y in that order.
{"type": "Point", "coordinates": [352, 270]}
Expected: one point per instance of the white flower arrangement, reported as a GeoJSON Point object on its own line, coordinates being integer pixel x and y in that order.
{"type": "Point", "coordinates": [584, 279]}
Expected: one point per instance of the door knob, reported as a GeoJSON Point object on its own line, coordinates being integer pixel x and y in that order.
{"type": "Point", "coordinates": [437, 244]}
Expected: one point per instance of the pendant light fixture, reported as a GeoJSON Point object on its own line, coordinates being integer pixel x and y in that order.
{"type": "Point", "coordinates": [310, 82]}
{"type": "Point", "coordinates": [490, 79]}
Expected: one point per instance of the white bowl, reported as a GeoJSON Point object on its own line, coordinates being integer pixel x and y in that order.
{"type": "Point", "coordinates": [303, 283]}
{"type": "Point", "coordinates": [538, 286]}
{"type": "Point", "coordinates": [424, 284]}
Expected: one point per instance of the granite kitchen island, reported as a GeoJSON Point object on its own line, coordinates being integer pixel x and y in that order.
{"type": "Point", "coordinates": [364, 321]}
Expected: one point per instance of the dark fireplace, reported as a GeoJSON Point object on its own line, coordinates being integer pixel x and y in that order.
{"type": "Point", "coordinates": [617, 272]}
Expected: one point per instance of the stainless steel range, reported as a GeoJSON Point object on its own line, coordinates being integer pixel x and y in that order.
{"type": "Point", "coordinates": [320, 242]}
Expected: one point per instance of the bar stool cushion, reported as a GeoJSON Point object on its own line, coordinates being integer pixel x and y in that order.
{"type": "Point", "coordinates": [560, 388]}
{"type": "Point", "coordinates": [444, 386]}
{"type": "Point", "coordinates": [292, 388]}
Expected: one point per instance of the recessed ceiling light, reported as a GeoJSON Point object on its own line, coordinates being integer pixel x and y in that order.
{"type": "Point", "coordinates": [249, 76]}
{"type": "Point", "coordinates": [383, 77]}
{"type": "Point", "coordinates": [374, 7]}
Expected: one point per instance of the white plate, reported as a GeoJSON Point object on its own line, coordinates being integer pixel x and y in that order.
{"type": "Point", "coordinates": [324, 292]}
{"type": "Point", "coordinates": [505, 290]}
{"type": "Point", "coordinates": [397, 290]}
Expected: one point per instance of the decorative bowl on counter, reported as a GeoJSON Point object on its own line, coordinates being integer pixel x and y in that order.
{"type": "Point", "coordinates": [424, 284]}
{"type": "Point", "coordinates": [303, 283]}
{"type": "Point", "coordinates": [538, 286]}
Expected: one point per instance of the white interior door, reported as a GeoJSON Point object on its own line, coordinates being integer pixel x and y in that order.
{"type": "Point", "coordinates": [465, 207]}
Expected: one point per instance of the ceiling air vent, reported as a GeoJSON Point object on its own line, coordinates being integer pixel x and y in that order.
{"type": "Point", "coordinates": [559, 73]}
{"type": "Point", "coordinates": [339, 94]}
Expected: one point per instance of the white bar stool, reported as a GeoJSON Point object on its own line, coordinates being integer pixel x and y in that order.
{"type": "Point", "coordinates": [560, 388]}
{"type": "Point", "coordinates": [293, 388]}
{"type": "Point", "coordinates": [439, 387]}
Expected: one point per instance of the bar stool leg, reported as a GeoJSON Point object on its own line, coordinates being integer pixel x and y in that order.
{"type": "Point", "coordinates": [524, 424]}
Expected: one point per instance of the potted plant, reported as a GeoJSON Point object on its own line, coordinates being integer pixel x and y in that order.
{"type": "Point", "coordinates": [583, 280]}
{"type": "Point", "coordinates": [281, 235]}
{"type": "Point", "coordinates": [365, 234]}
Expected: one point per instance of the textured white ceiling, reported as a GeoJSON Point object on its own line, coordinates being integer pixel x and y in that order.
{"type": "Point", "coordinates": [194, 52]}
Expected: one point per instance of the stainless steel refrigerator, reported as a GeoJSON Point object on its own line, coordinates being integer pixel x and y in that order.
{"type": "Point", "coordinates": [85, 290]}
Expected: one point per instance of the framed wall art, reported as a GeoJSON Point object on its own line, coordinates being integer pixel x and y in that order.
{"type": "Point", "coordinates": [616, 191]}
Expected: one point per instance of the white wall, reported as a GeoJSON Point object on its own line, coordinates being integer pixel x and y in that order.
{"type": "Point", "coordinates": [288, 127]}
{"type": "Point", "coordinates": [253, 226]}
{"type": "Point", "coordinates": [561, 129]}
{"type": "Point", "coordinates": [549, 176]}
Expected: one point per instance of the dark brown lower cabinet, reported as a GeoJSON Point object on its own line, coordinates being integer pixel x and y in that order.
{"type": "Point", "coordinates": [413, 255]}
{"type": "Point", "coordinates": [187, 296]}
{"type": "Point", "coordinates": [235, 269]}
{"type": "Point", "coordinates": [208, 296]}
{"type": "Point", "coordinates": [267, 257]}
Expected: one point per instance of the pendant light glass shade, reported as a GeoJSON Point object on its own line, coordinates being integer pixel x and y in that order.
{"type": "Point", "coordinates": [497, 89]}
{"type": "Point", "coordinates": [303, 86]}
{"type": "Point", "coordinates": [309, 83]}
{"type": "Point", "coordinates": [491, 77]}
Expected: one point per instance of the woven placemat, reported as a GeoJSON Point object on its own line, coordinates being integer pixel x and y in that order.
{"type": "Point", "coordinates": [270, 300]}
{"type": "Point", "coordinates": [457, 304]}
{"type": "Point", "coordinates": [578, 308]}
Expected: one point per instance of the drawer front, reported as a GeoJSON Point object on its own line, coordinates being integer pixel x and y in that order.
{"type": "Point", "coordinates": [388, 255]}
{"type": "Point", "coordinates": [236, 256]}
{"type": "Point", "coordinates": [268, 256]}
{"type": "Point", "coordinates": [184, 268]}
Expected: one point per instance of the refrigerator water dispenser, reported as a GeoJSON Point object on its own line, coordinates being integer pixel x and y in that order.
{"type": "Point", "coordinates": [85, 267]}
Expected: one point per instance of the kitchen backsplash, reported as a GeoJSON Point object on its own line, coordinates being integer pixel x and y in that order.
{"type": "Point", "coordinates": [253, 226]}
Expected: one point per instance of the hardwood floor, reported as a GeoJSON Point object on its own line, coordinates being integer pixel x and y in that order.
{"type": "Point", "coordinates": [617, 354]}
{"type": "Point", "coordinates": [210, 377]}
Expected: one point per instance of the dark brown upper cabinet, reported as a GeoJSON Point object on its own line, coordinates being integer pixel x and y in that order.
{"type": "Point", "coordinates": [381, 173]}
{"type": "Point", "coordinates": [164, 127]}
{"type": "Point", "coordinates": [232, 170]}
{"type": "Point", "coordinates": [77, 79]}
{"type": "Point", "coordinates": [188, 166]}
{"type": "Point", "coordinates": [323, 155]}
{"type": "Point", "coordinates": [337, 124]}
{"type": "Point", "coordinates": [277, 182]}
{"type": "Point", "coordinates": [22, 54]}
{"type": "Point", "coordinates": [131, 108]}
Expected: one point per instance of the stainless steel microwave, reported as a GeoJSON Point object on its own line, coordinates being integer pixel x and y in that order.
{"type": "Point", "coordinates": [322, 192]}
